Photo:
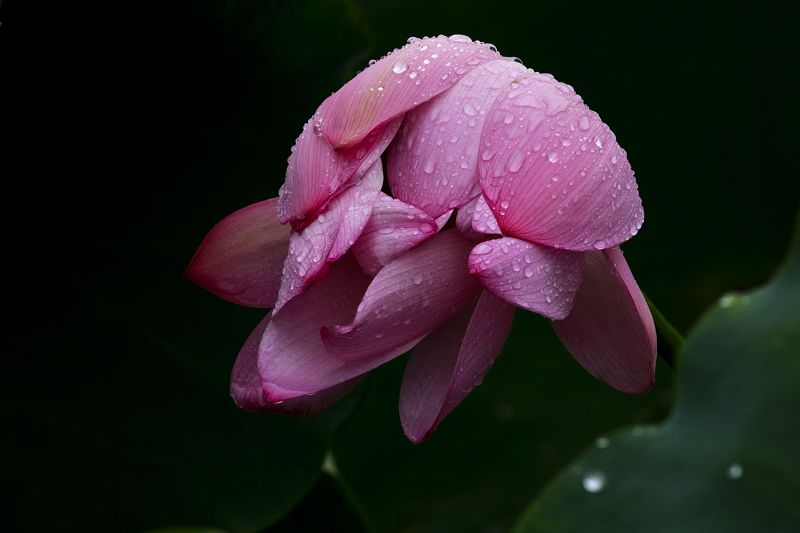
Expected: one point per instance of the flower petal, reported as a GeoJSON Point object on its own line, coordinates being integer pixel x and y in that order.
{"type": "Point", "coordinates": [409, 298]}
{"type": "Point", "coordinates": [393, 228]}
{"type": "Point", "coordinates": [541, 279]}
{"type": "Point", "coordinates": [553, 173]}
{"type": "Point", "coordinates": [433, 162]}
{"type": "Point", "coordinates": [398, 82]}
{"type": "Point", "coordinates": [316, 173]}
{"type": "Point", "coordinates": [292, 360]}
{"type": "Point", "coordinates": [610, 330]}
{"type": "Point", "coordinates": [483, 220]}
{"type": "Point", "coordinates": [443, 219]}
{"type": "Point", "coordinates": [248, 394]}
{"type": "Point", "coordinates": [329, 236]}
{"type": "Point", "coordinates": [450, 362]}
{"type": "Point", "coordinates": [464, 221]}
{"type": "Point", "coordinates": [240, 259]}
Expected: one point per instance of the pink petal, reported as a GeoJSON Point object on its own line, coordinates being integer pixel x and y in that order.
{"type": "Point", "coordinates": [553, 173]}
{"type": "Point", "coordinates": [248, 393]}
{"type": "Point", "coordinates": [393, 228]}
{"type": "Point", "coordinates": [464, 220]}
{"type": "Point", "coordinates": [409, 298]}
{"type": "Point", "coordinates": [442, 220]}
{"type": "Point", "coordinates": [541, 279]}
{"type": "Point", "coordinates": [329, 236]}
{"type": "Point", "coordinates": [483, 220]}
{"type": "Point", "coordinates": [292, 360]}
{"type": "Point", "coordinates": [316, 173]}
{"type": "Point", "coordinates": [433, 162]}
{"type": "Point", "coordinates": [610, 330]}
{"type": "Point", "coordinates": [450, 362]}
{"type": "Point", "coordinates": [400, 81]}
{"type": "Point", "coordinates": [240, 259]}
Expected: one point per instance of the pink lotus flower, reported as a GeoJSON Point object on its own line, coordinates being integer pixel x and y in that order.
{"type": "Point", "coordinates": [543, 196]}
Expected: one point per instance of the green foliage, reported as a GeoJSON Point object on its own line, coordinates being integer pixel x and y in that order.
{"type": "Point", "coordinates": [727, 458]}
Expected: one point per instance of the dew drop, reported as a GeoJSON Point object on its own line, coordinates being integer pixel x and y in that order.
{"type": "Point", "coordinates": [593, 481]}
{"type": "Point", "coordinates": [552, 157]}
{"type": "Point", "coordinates": [430, 165]}
{"type": "Point", "coordinates": [469, 109]}
{"type": "Point", "coordinates": [599, 245]}
{"type": "Point", "coordinates": [529, 271]}
{"type": "Point", "coordinates": [734, 471]}
{"type": "Point", "coordinates": [399, 67]}
{"type": "Point", "coordinates": [458, 38]}
{"type": "Point", "coordinates": [412, 74]}
{"type": "Point", "coordinates": [482, 249]}
{"type": "Point", "coordinates": [584, 123]}
{"type": "Point", "coordinates": [417, 280]}
{"type": "Point", "coordinates": [515, 163]}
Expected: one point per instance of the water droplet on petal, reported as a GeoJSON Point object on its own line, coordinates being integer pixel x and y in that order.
{"type": "Point", "coordinates": [458, 38]}
{"type": "Point", "coordinates": [584, 123]}
{"type": "Point", "coordinates": [482, 249]}
{"type": "Point", "coordinates": [516, 161]}
{"type": "Point", "coordinates": [552, 157]}
{"type": "Point", "coordinates": [469, 109]}
{"type": "Point", "coordinates": [399, 67]}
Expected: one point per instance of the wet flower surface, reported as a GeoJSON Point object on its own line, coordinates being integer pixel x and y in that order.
{"type": "Point", "coordinates": [426, 200]}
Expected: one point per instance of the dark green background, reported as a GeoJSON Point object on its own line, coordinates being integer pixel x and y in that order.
{"type": "Point", "coordinates": [131, 128]}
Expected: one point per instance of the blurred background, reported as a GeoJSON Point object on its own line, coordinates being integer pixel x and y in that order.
{"type": "Point", "coordinates": [131, 128]}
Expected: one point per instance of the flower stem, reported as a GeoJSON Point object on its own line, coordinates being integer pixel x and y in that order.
{"type": "Point", "coordinates": [670, 340]}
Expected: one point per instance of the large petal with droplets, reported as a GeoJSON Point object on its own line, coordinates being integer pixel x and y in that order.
{"type": "Point", "coordinates": [610, 330]}
{"type": "Point", "coordinates": [398, 82]}
{"type": "Point", "coordinates": [292, 360]}
{"type": "Point", "coordinates": [553, 173]}
{"type": "Point", "coordinates": [450, 362]}
{"type": "Point", "coordinates": [247, 392]}
{"type": "Point", "coordinates": [393, 228]}
{"type": "Point", "coordinates": [410, 297]}
{"type": "Point", "coordinates": [329, 236]}
{"type": "Point", "coordinates": [541, 279]}
{"type": "Point", "coordinates": [316, 172]}
{"type": "Point", "coordinates": [240, 259]}
{"type": "Point", "coordinates": [433, 161]}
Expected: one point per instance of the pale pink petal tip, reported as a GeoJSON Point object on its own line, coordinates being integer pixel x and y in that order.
{"type": "Point", "coordinates": [248, 394]}
{"type": "Point", "coordinates": [541, 279]}
{"type": "Point", "coordinates": [553, 173]}
{"type": "Point", "coordinates": [483, 220]}
{"type": "Point", "coordinates": [397, 83]}
{"type": "Point", "coordinates": [240, 259]}
{"type": "Point", "coordinates": [450, 362]}
{"type": "Point", "coordinates": [410, 297]}
{"type": "Point", "coordinates": [329, 236]}
{"type": "Point", "coordinates": [610, 330]}
{"type": "Point", "coordinates": [393, 228]}
{"type": "Point", "coordinates": [433, 162]}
